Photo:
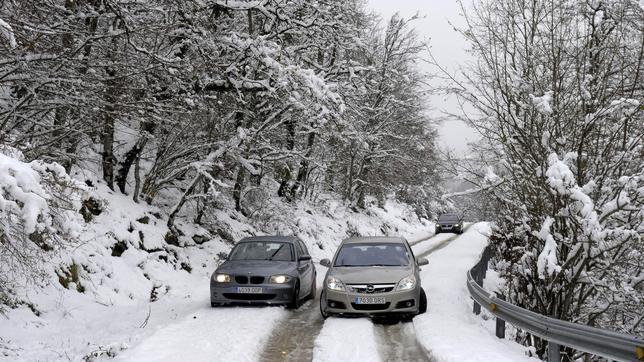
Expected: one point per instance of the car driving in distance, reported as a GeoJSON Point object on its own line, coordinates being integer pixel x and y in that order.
{"type": "Point", "coordinates": [374, 276]}
{"type": "Point", "coordinates": [265, 270]}
{"type": "Point", "coordinates": [449, 223]}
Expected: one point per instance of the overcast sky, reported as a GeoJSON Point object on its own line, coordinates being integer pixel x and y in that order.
{"type": "Point", "coordinates": [449, 49]}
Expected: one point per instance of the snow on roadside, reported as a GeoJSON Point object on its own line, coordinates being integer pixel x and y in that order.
{"type": "Point", "coordinates": [449, 329]}
{"type": "Point", "coordinates": [223, 334]}
{"type": "Point", "coordinates": [346, 340]}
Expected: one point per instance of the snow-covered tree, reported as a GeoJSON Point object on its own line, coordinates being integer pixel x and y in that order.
{"type": "Point", "coordinates": [557, 84]}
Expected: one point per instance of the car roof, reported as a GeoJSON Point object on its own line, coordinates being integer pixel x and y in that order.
{"type": "Point", "coordinates": [279, 238]}
{"type": "Point", "coordinates": [373, 239]}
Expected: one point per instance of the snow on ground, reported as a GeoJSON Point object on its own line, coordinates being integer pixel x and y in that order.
{"type": "Point", "coordinates": [222, 334]}
{"type": "Point", "coordinates": [131, 291]}
{"type": "Point", "coordinates": [351, 339]}
{"type": "Point", "coordinates": [449, 330]}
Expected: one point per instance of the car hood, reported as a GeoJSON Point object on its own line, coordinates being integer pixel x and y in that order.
{"type": "Point", "coordinates": [371, 275]}
{"type": "Point", "coordinates": [257, 267]}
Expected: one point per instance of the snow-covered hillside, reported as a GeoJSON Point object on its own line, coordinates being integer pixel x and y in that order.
{"type": "Point", "coordinates": [127, 277]}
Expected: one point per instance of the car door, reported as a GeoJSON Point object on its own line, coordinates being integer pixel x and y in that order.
{"type": "Point", "coordinates": [304, 268]}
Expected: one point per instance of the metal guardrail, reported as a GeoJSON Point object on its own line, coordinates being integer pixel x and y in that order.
{"type": "Point", "coordinates": [600, 342]}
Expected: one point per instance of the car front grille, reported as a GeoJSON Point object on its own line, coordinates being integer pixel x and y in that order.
{"type": "Point", "coordinates": [256, 280]}
{"type": "Point", "coordinates": [377, 288]}
{"type": "Point", "coordinates": [244, 279]}
{"type": "Point", "coordinates": [249, 296]}
{"type": "Point", "coordinates": [370, 306]}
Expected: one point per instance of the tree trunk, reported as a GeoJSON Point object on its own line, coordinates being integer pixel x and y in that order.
{"type": "Point", "coordinates": [133, 154]}
{"type": "Point", "coordinates": [108, 145]}
{"type": "Point", "coordinates": [304, 166]}
{"type": "Point", "coordinates": [239, 186]}
{"type": "Point", "coordinates": [284, 190]}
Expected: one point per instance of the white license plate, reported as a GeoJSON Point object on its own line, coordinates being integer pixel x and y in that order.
{"type": "Point", "coordinates": [370, 300]}
{"type": "Point", "coordinates": [249, 290]}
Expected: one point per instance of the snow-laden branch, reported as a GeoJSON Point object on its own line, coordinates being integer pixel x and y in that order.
{"type": "Point", "coordinates": [491, 180]}
{"type": "Point", "coordinates": [7, 32]}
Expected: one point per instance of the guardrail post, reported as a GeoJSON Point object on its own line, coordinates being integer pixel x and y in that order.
{"type": "Point", "coordinates": [500, 323]}
{"type": "Point", "coordinates": [554, 352]}
{"type": "Point", "coordinates": [476, 274]}
{"type": "Point", "coordinates": [477, 308]}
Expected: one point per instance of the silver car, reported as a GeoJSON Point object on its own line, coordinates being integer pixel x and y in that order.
{"type": "Point", "coordinates": [373, 276]}
{"type": "Point", "coordinates": [265, 270]}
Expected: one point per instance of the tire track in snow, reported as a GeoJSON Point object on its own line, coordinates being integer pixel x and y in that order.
{"type": "Point", "coordinates": [398, 341]}
{"type": "Point", "coordinates": [441, 244]}
{"type": "Point", "coordinates": [294, 337]}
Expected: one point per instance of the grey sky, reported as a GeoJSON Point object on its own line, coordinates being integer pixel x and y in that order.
{"type": "Point", "coordinates": [448, 48]}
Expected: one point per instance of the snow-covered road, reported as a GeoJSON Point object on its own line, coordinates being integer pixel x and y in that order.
{"type": "Point", "coordinates": [449, 329]}
{"type": "Point", "coordinates": [448, 332]}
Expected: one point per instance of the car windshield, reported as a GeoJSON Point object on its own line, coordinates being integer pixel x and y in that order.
{"type": "Point", "coordinates": [262, 250]}
{"type": "Point", "coordinates": [448, 218]}
{"type": "Point", "coordinates": [380, 254]}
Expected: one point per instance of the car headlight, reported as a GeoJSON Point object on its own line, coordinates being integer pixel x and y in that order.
{"type": "Point", "coordinates": [222, 278]}
{"type": "Point", "coordinates": [334, 283]}
{"type": "Point", "coordinates": [279, 279]}
{"type": "Point", "coordinates": [406, 283]}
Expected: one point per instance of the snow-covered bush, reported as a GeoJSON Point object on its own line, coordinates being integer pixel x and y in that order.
{"type": "Point", "coordinates": [38, 215]}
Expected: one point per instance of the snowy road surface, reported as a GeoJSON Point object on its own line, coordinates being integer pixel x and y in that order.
{"type": "Point", "coordinates": [448, 332]}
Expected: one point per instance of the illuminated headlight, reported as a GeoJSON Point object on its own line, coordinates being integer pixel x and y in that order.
{"type": "Point", "coordinates": [222, 278]}
{"type": "Point", "coordinates": [279, 279]}
{"type": "Point", "coordinates": [334, 284]}
{"type": "Point", "coordinates": [406, 283]}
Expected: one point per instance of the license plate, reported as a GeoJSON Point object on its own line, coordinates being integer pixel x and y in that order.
{"type": "Point", "coordinates": [253, 290]}
{"type": "Point", "coordinates": [370, 300]}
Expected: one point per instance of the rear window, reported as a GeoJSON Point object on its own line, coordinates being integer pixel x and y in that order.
{"type": "Point", "coordinates": [381, 254]}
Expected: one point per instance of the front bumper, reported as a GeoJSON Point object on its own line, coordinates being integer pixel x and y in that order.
{"type": "Point", "coordinates": [343, 303]}
{"type": "Point", "coordinates": [227, 293]}
{"type": "Point", "coordinates": [448, 228]}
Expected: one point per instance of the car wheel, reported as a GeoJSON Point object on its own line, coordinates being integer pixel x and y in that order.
{"type": "Point", "coordinates": [323, 311]}
{"type": "Point", "coordinates": [422, 304]}
{"type": "Point", "coordinates": [213, 304]}
{"type": "Point", "coordinates": [295, 301]}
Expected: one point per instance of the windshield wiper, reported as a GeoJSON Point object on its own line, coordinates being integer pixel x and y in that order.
{"type": "Point", "coordinates": [275, 253]}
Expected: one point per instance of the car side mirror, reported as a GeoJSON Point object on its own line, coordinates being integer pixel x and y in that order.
{"type": "Point", "coordinates": [304, 258]}
{"type": "Point", "coordinates": [422, 261]}
{"type": "Point", "coordinates": [325, 262]}
{"type": "Point", "coordinates": [221, 256]}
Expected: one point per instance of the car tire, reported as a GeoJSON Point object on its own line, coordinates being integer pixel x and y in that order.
{"type": "Point", "coordinates": [295, 301]}
{"type": "Point", "coordinates": [323, 311]}
{"type": "Point", "coordinates": [422, 304]}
